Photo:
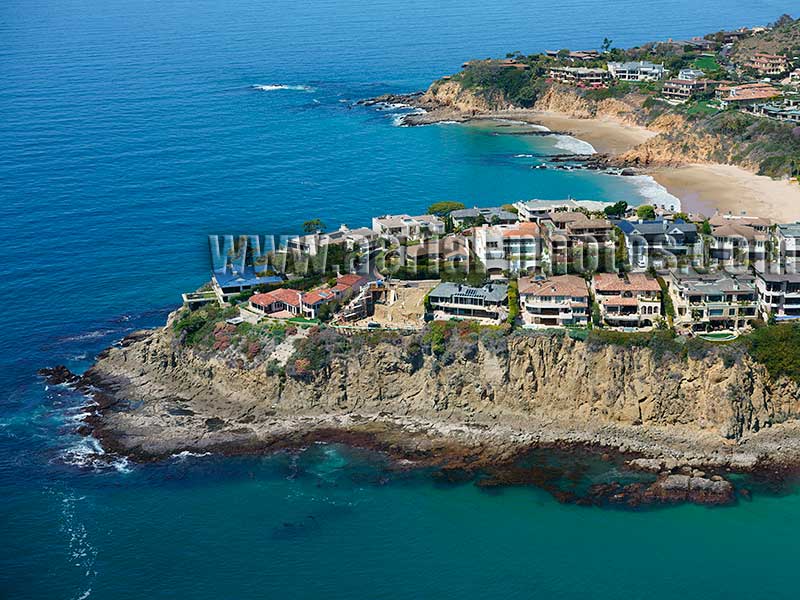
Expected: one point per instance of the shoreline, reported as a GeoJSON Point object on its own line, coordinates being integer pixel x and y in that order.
{"type": "Point", "coordinates": [134, 418]}
{"type": "Point", "coordinates": [700, 188]}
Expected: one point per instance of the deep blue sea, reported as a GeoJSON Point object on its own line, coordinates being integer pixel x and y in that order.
{"type": "Point", "coordinates": [132, 129]}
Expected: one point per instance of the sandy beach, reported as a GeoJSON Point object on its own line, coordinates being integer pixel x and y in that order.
{"type": "Point", "coordinates": [701, 188]}
{"type": "Point", "coordinates": [606, 135]}
{"type": "Point", "coordinates": [708, 188]}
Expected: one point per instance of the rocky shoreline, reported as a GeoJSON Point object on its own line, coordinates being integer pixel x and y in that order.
{"type": "Point", "coordinates": [153, 399]}
{"type": "Point", "coordinates": [432, 111]}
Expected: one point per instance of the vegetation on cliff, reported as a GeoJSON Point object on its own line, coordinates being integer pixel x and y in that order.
{"type": "Point", "coordinates": [248, 346]}
{"type": "Point", "coordinates": [697, 131]}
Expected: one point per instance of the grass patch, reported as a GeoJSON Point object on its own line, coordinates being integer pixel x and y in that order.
{"type": "Point", "coordinates": [701, 108]}
{"type": "Point", "coordinates": [776, 347]}
{"type": "Point", "coordinates": [708, 64]}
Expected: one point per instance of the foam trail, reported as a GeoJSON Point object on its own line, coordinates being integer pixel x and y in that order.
{"type": "Point", "coordinates": [654, 193]}
{"type": "Point", "coordinates": [573, 145]}
{"type": "Point", "coordinates": [275, 87]}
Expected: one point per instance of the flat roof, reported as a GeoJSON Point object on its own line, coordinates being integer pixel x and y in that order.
{"type": "Point", "coordinates": [492, 292]}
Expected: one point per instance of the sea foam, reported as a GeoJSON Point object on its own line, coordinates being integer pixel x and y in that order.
{"type": "Point", "coordinates": [274, 87]}
{"type": "Point", "coordinates": [573, 145]}
{"type": "Point", "coordinates": [654, 193]}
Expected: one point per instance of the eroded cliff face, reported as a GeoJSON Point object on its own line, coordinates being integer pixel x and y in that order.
{"type": "Point", "coordinates": [566, 100]}
{"type": "Point", "coordinates": [163, 389]}
{"type": "Point", "coordinates": [451, 94]}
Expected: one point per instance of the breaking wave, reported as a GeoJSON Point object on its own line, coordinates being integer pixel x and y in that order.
{"type": "Point", "coordinates": [274, 87]}
{"type": "Point", "coordinates": [654, 193]}
{"type": "Point", "coordinates": [88, 453]}
{"type": "Point", "coordinates": [573, 145]}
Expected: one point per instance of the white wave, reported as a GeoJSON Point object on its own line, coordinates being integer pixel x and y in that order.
{"type": "Point", "coordinates": [274, 87]}
{"type": "Point", "coordinates": [89, 453]}
{"type": "Point", "coordinates": [524, 156]}
{"type": "Point", "coordinates": [399, 120]}
{"type": "Point", "coordinates": [187, 454]}
{"type": "Point", "coordinates": [82, 553]}
{"type": "Point", "coordinates": [533, 126]}
{"type": "Point", "coordinates": [91, 335]}
{"type": "Point", "coordinates": [654, 193]}
{"type": "Point", "coordinates": [573, 145]}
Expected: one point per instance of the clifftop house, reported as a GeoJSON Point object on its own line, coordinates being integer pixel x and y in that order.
{"type": "Point", "coordinates": [652, 243]}
{"type": "Point", "coordinates": [712, 300]}
{"type": "Point", "coordinates": [492, 215]}
{"type": "Point", "coordinates": [768, 64]}
{"type": "Point", "coordinates": [629, 300]}
{"type": "Point", "coordinates": [516, 248]}
{"type": "Point", "coordinates": [557, 301]}
{"type": "Point", "coordinates": [362, 238]}
{"type": "Point", "coordinates": [408, 227]}
{"type": "Point", "coordinates": [636, 71]}
{"type": "Point", "coordinates": [458, 300]}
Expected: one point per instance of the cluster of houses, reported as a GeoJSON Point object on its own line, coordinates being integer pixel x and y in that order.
{"type": "Point", "coordinates": [755, 277]}
{"type": "Point", "coordinates": [756, 274]}
{"type": "Point", "coordinates": [761, 95]}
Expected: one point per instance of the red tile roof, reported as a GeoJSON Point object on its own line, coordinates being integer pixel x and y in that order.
{"type": "Point", "coordinates": [526, 229]}
{"type": "Point", "coordinates": [636, 282]}
{"type": "Point", "coordinates": [317, 297]}
{"type": "Point", "coordinates": [351, 280]}
{"type": "Point", "coordinates": [561, 285]}
{"type": "Point", "coordinates": [287, 296]}
{"type": "Point", "coordinates": [619, 301]}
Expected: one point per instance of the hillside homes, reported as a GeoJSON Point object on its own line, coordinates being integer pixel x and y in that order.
{"type": "Point", "coordinates": [627, 300]}
{"type": "Point", "coordinates": [636, 71]}
{"type": "Point", "coordinates": [712, 300]}
{"type": "Point", "coordinates": [660, 242]}
{"type": "Point", "coordinates": [449, 300]}
{"type": "Point", "coordinates": [408, 227]}
{"type": "Point", "coordinates": [559, 301]}
{"type": "Point", "coordinates": [768, 65]}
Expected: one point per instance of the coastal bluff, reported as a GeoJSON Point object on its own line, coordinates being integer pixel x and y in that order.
{"type": "Point", "coordinates": [488, 399]}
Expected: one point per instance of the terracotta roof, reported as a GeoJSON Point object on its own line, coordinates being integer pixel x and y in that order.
{"type": "Point", "coordinates": [591, 224]}
{"type": "Point", "coordinates": [722, 219]}
{"type": "Point", "coordinates": [737, 230]}
{"type": "Point", "coordinates": [636, 282]}
{"type": "Point", "coordinates": [285, 295]}
{"type": "Point", "coordinates": [562, 218]}
{"type": "Point", "coordinates": [317, 296]}
{"type": "Point", "coordinates": [350, 280]}
{"type": "Point", "coordinates": [619, 301]}
{"type": "Point", "coordinates": [560, 285]}
{"type": "Point", "coordinates": [527, 229]}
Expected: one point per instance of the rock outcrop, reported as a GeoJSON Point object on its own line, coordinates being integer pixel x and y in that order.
{"type": "Point", "coordinates": [158, 397]}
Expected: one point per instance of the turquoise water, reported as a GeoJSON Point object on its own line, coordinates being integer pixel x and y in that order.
{"type": "Point", "coordinates": [132, 130]}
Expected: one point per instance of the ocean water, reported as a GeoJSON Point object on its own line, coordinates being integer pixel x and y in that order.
{"type": "Point", "coordinates": [130, 131]}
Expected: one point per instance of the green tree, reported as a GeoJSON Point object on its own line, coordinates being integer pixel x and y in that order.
{"type": "Point", "coordinates": [646, 212]}
{"type": "Point", "coordinates": [705, 228]}
{"type": "Point", "coordinates": [444, 208]}
{"type": "Point", "coordinates": [617, 209]}
{"type": "Point", "coordinates": [513, 302]}
{"type": "Point", "coordinates": [510, 208]}
{"type": "Point", "coordinates": [606, 46]}
{"type": "Point", "coordinates": [313, 226]}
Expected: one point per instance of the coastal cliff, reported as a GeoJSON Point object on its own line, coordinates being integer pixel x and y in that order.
{"type": "Point", "coordinates": [159, 397]}
{"type": "Point", "coordinates": [729, 137]}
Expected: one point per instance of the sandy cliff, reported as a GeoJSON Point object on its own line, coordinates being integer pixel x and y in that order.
{"type": "Point", "coordinates": [161, 397]}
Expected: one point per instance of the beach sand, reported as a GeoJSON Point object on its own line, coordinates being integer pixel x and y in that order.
{"type": "Point", "coordinates": [705, 189]}
{"type": "Point", "coordinates": [606, 135]}
{"type": "Point", "coordinates": [708, 188]}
